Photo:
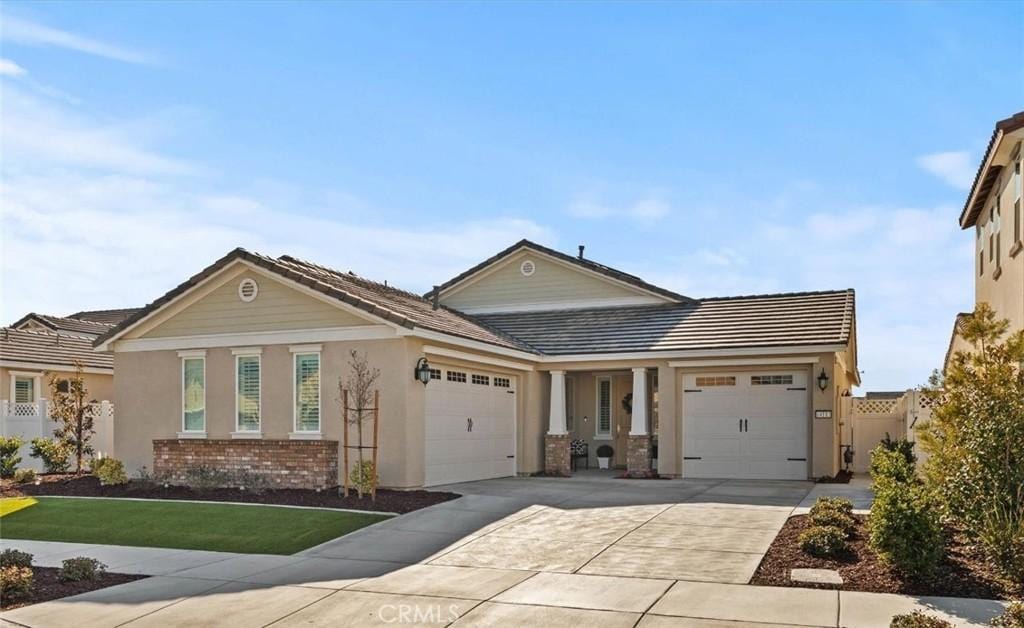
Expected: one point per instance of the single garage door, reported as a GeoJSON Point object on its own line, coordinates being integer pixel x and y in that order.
{"type": "Point", "coordinates": [746, 425]}
{"type": "Point", "coordinates": [470, 426]}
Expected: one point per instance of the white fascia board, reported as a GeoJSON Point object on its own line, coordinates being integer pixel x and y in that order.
{"type": "Point", "coordinates": [797, 359]}
{"type": "Point", "coordinates": [472, 357]}
{"type": "Point", "coordinates": [696, 353]}
{"type": "Point", "coordinates": [70, 368]}
{"type": "Point", "coordinates": [289, 337]}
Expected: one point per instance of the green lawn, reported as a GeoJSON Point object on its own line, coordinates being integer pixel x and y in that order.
{"type": "Point", "coordinates": [219, 527]}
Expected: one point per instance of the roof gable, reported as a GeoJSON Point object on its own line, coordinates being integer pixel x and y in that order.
{"type": "Point", "coordinates": [996, 156]}
{"type": "Point", "coordinates": [528, 277]}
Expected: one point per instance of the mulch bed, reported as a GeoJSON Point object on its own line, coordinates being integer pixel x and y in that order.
{"type": "Point", "coordinates": [89, 486]}
{"type": "Point", "coordinates": [964, 571]}
{"type": "Point", "coordinates": [47, 586]}
{"type": "Point", "coordinates": [843, 477]}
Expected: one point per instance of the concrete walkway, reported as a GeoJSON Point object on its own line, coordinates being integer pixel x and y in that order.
{"type": "Point", "coordinates": [521, 552]}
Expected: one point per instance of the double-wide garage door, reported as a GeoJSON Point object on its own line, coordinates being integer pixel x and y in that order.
{"type": "Point", "coordinates": [470, 426]}
{"type": "Point", "coordinates": [746, 425]}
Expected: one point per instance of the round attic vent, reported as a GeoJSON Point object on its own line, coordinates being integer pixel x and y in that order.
{"type": "Point", "coordinates": [247, 290]}
{"type": "Point", "coordinates": [527, 268]}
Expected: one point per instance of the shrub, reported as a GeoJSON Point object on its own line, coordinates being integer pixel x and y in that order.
{"type": "Point", "coordinates": [15, 583]}
{"type": "Point", "coordinates": [14, 558]}
{"type": "Point", "coordinates": [363, 477]}
{"type": "Point", "coordinates": [823, 541]}
{"type": "Point", "coordinates": [111, 472]}
{"type": "Point", "coordinates": [54, 454]}
{"type": "Point", "coordinates": [9, 458]}
{"type": "Point", "coordinates": [203, 478]}
{"type": "Point", "coordinates": [256, 483]}
{"type": "Point", "coordinates": [1013, 617]}
{"type": "Point", "coordinates": [80, 568]}
{"type": "Point", "coordinates": [832, 517]}
{"type": "Point", "coordinates": [837, 503]}
{"type": "Point", "coordinates": [904, 527]}
{"type": "Point", "coordinates": [96, 464]}
{"type": "Point", "coordinates": [917, 619]}
{"type": "Point", "coordinates": [889, 464]}
{"type": "Point", "coordinates": [900, 446]}
{"type": "Point", "coordinates": [605, 451]}
{"type": "Point", "coordinates": [144, 479]}
{"type": "Point", "coordinates": [975, 438]}
{"type": "Point", "coordinates": [24, 476]}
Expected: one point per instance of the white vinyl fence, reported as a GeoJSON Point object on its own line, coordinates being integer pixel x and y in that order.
{"type": "Point", "coordinates": [32, 420]}
{"type": "Point", "coordinates": [868, 420]}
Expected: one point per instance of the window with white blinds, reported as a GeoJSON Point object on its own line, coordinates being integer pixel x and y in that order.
{"type": "Point", "coordinates": [24, 390]}
{"type": "Point", "coordinates": [247, 400]}
{"type": "Point", "coordinates": [193, 394]}
{"type": "Point", "coordinates": [307, 392]}
{"type": "Point", "coordinates": [604, 407]}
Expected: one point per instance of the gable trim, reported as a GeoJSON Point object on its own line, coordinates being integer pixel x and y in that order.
{"type": "Point", "coordinates": [231, 270]}
{"type": "Point", "coordinates": [241, 339]}
{"type": "Point", "coordinates": [502, 259]}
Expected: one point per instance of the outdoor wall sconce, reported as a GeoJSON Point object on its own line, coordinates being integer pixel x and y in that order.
{"type": "Point", "coordinates": [422, 371]}
{"type": "Point", "coordinates": [823, 380]}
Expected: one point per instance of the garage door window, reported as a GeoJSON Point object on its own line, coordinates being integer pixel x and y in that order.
{"type": "Point", "coordinates": [435, 373]}
{"type": "Point", "coordinates": [771, 380]}
{"type": "Point", "coordinates": [716, 380]}
{"type": "Point", "coordinates": [481, 380]}
{"type": "Point", "coordinates": [456, 376]}
{"type": "Point", "coordinates": [307, 392]}
{"type": "Point", "coordinates": [502, 382]}
{"type": "Point", "coordinates": [604, 407]}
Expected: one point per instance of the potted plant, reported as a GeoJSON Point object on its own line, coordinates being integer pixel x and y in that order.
{"type": "Point", "coordinates": [604, 456]}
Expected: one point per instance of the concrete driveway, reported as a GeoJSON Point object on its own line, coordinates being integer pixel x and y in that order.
{"type": "Point", "coordinates": [524, 552]}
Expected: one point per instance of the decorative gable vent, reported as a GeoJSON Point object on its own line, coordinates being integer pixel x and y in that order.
{"type": "Point", "coordinates": [247, 290]}
{"type": "Point", "coordinates": [527, 268]}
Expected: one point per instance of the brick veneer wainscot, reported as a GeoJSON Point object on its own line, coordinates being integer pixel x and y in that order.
{"type": "Point", "coordinates": [638, 456]}
{"type": "Point", "coordinates": [556, 454]}
{"type": "Point", "coordinates": [284, 463]}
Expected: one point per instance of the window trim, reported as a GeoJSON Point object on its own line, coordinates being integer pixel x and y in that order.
{"type": "Point", "coordinates": [295, 394]}
{"type": "Point", "coordinates": [36, 378]}
{"type": "Point", "coordinates": [598, 434]}
{"type": "Point", "coordinates": [258, 432]}
{"type": "Point", "coordinates": [184, 427]}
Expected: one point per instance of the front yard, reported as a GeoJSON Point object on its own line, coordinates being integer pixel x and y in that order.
{"type": "Point", "coordinates": [181, 525]}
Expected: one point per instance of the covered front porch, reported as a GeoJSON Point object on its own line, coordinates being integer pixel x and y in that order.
{"type": "Point", "coordinates": [603, 421]}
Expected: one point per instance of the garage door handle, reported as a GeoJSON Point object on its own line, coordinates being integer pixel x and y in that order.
{"type": "Point", "coordinates": [469, 425]}
{"type": "Point", "coordinates": [746, 425]}
{"type": "Point", "coordinates": [512, 456]}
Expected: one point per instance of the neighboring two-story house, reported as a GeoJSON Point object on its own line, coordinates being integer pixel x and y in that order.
{"type": "Point", "coordinates": [495, 373]}
{"type": "Point", "coordinates": [994, 209]}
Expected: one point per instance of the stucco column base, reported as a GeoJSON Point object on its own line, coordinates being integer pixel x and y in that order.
{"type": "Point", "coordinates": [556, 455]}
{"type": "Point", "coordinates": [638, 456]}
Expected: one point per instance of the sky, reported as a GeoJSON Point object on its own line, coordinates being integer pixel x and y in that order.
{"type": "Point", "coordinates": [713, 149]}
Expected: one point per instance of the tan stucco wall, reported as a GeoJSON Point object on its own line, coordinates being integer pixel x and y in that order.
{"type": "Point", "coordinates": [148, 401]}
{"type": "Point", "coordinates": [552, 283]}
{"type": "Point", "coordinates": [276, 307]}
{"type": "Point", "coordinates": [1006, 293]}
{"type": "Point", "coordinates": [100, 387]}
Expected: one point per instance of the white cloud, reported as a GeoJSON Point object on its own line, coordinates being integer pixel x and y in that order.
{"type": "Point", "coordinates": [644, 210]}
{"type": "Point", "coordinates": [10, 68]}
{"type": "Point", "coordinates": [35, 131]}
{"type": "Point", "coordinates": [20, 31]}
{"type": "Point", "coordinates": [953, 167]}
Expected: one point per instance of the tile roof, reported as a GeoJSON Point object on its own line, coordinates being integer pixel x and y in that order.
{"type": "Point", "coordinates": [41, 347]}
{"type": "Point", "coordinates": [107, 317]}
{"type": "Point", "coordinates": [985, 178]}
{"type": "Point", "coordinates": [795, 319]}
{"type": "Point", "coordinates": [577, 261]}
{"type": "Point", "coordinates": [397, 306]}
{"type": "Point", "coordinates": [64, 325]}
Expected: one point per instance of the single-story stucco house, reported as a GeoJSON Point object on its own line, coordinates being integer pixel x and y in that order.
{"type": "Point", "coordinates": [527, 352]}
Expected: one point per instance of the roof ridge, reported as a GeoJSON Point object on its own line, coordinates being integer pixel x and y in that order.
{"type": "Point", "coordinates": [777, 295]}
{"type": "Point", "coordinates": [350, 275]}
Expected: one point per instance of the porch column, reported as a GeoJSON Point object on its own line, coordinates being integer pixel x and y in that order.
{"type": "Point", "coordinates": [638, 427]}
{"type": "Point", "coordinates": [638, 453]}
{"type": "Point", "coordinates": [556, 441]}
{"type": "Point", "coordinates": [556, 415]}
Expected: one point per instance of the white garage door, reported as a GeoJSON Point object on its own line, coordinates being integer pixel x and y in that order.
{"type": "Point", "coordinates": [745, 425]}
{"type": "Point", "coordinates": [470, 426]}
